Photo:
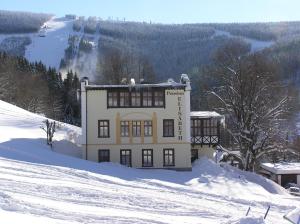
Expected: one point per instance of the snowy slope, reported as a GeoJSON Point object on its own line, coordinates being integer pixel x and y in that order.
{"type": "Point", "coordinates": [50, 49]}
{"type": "Point", "coordinates": [38, 185]}
{"type": "Point", "coordinates": [51, 46]}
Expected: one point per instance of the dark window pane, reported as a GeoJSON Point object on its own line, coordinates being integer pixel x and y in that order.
{"type": "Point", "coordinates": [125, 157]}
{"type": "Point", "coordinates": [124, 128]}
{"type": "Point", "coordinates": [168, 128]}
{"type": "Point", "coordinates": [124, 99]}
{"type": "Point", "coordinates": [147, 157]}
{"type": "Point", "coordinates": [112, 99]}
{"type": "Point", "coordinates": [103, 129]}
{"type": "Point", "coordinates": [147, 98]}
{"type": "Point", "coordinates": [103, 155]}
{"type": "Point", "coordinates": [136, 99]}
{"type": "Point", "coordinates": [158, 98]}
{"type": "Point", "coordinates": [169, 157]}
{"type": "Point", "coordinates": [148, 128]}
{"type": "Point", "coordinates": [136, 128]}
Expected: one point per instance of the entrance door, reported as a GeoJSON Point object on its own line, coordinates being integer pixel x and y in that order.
{"type": "Point", "coordinates": [125, 157]}
{"type": "Point", "coordinates": [194, 154]}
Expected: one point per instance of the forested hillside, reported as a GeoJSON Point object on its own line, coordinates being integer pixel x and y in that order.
{"type": "Point", "coordinates": [38, 89]}
{"type": "Point", "coordinates": [21, 22]}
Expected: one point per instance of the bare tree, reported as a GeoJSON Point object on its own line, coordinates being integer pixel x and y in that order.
{"type": "Point", "coordinates": [49, 128]}
{"type": "Point", "coordinates": [251, 98]}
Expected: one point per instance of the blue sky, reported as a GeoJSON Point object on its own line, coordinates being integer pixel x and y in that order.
{"type": "Point", "coordinates": [167, 11]}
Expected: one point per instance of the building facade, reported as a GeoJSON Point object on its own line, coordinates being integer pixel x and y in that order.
{"type": "Point", "coordinates": [143, 125]}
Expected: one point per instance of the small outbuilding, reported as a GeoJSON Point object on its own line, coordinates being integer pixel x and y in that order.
{"type": "Point", "coordinates": [282, 173]}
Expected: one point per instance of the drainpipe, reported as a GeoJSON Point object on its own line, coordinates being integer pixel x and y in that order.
{"type": "Point", "coordinates": [84, 84]}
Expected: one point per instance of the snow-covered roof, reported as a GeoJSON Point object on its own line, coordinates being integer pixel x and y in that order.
{"type": "Point", "coordinates": [164, 85]}
{"type": "Point", "coordinates": [282, 168]}
{"type": "Point", "coordinates": [205, 114]}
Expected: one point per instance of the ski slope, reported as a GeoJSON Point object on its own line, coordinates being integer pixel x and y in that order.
{"type": "Point", "coordinates": [50, 48]}
{"type": "Point", "coordinates": [38, 185]}
{"type": "Point", "coordinates": [49, 44]}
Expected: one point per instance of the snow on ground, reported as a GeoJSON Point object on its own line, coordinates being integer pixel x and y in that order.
{"type": "Point", "coordinates": [38, 185]}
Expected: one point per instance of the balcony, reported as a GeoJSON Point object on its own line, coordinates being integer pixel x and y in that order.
{"type": "Point", "coordinates": [205, 127]}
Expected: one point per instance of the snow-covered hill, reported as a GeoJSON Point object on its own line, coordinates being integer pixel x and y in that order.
{"type": "Point", "coordinates": [49, 44]}
{"type": "Point", "coordinates": [38, 185]}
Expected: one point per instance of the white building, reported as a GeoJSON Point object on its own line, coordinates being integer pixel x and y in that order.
{"type": "Point", "coordinates": [282, 173]}
{"type": "Point", "coordinates": [145, 125]}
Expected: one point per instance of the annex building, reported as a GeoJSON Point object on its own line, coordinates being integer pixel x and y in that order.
{"type": "Point", "coordinates": [146, 125]}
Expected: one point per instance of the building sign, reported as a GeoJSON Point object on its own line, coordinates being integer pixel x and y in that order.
{"type": "Point", "coordinates": [179, 98]}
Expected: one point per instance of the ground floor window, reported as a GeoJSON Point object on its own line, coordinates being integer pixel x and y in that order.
{"type": "Point", "coordinates": [125, 157]}
{"type": "Point", "coordinates": [147, 157]}
{"type": "Point", "coordinates": [103, 155]}
{"type": "Point", "coordinates": [169, 157]}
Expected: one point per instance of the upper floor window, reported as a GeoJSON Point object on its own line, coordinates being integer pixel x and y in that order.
{"type": "Point", "coordinates": [206, 127]}
{"type": "Point", "coordinates": [124, 99]}
{"type": "Point", "coordinates": [103, 128]}
{"type": "Point", "coordinates": [168, 127]}
{"type": "Point", "coordinates": [112, 99]}
{"type": "Point", "coordinates": [147, 128]}
{"type": "Point", "coordinates": [124, 128]}
{"type": "Point", "coordinates": [196, 127]}
{"type": "Point", "coordinates": [136, 128]}
{"type": "Point", "coordinates": [214, 127]}
{"type": "Point", "coordinates": [158, 98]}
{"type": "Point", "coordinates": [135, 99]}
{"type": "Point", "coordinates": [147, 98]}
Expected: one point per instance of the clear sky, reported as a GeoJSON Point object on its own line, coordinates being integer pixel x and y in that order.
{"type": "Point", "coordinates": [167, 11]}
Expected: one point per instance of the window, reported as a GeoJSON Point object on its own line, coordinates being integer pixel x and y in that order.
{"type": "Point", "coordinates": [124, 128]}
{"type": "Point", "coordinates": [132, 97]}
{"type": "Point", "coordinates": [112, 99]}
{"type": "Point", "coordinates": [103, 155]}
{"type": "Point", "coordinates": [147, 128]}
{"type": "Point", "coordinates": [124, 99]}
{"type": "Point", "coordinates": [135, 99]}
{"type": "Point", "coordinates": [103, 129]}
{"type": "Point", "coordinates": [158, 98]}
{"type": "Point", "coordinates": [125, 157]}
{"type": "Point", "coordinates": [168, 128]}
{"type": "Point", "coordinates": [206, 127]}
{"type": "Point", "coordinates": [147, 157]}
{"type": "Point", "coordinates": [136, 128]}
{"type": "Point", "coordinates": [196, 127]}
{"type": "Point", "coordinates": [147, 98]}
{"type": "Point", "coordinates": [169, 159]}
{"type": "Point", "coordinates": [214, 127]}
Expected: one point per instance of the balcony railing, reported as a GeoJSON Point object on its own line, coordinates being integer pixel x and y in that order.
{"type": "Point", "coordinates": [205, 140]}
